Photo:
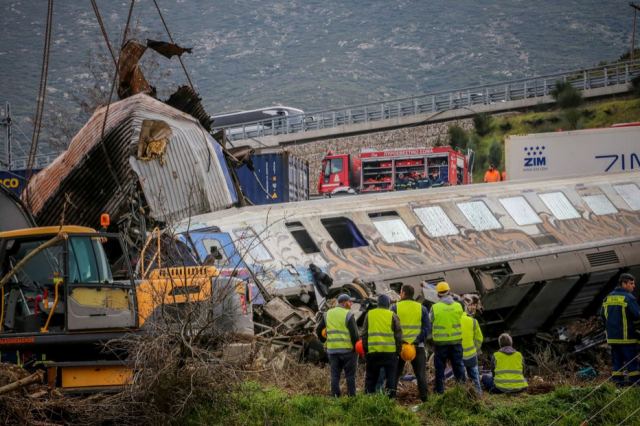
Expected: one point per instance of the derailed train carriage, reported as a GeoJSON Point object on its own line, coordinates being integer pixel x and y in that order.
{"type": "Point", "coordinates": [538, 253]}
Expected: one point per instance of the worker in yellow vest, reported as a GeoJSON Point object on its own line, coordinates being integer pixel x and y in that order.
{"type": "Point", "coordinates": [341, 336]}
{"type": "Point", "coordinates": [382, 342]}
{"type": "Point", "coordinates": [507, 366]}
{"type": "Point", "coordinates": [414, 320]}
{"type": "Point", "coordinates": [471, 343]}
{"type": "Point", "coordinates": [447, 336]}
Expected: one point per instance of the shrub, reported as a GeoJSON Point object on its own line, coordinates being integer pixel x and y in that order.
{"type": "Point", "coordinates": [482, 123]}
{"type": "Point", "coordinates": [495, 153]}
{"type": "Point", "coordinates": [506, 126]}
{"type": "Point", "coordinates": [635, 86]}
{"type": "Point", "coordinates": [565, 95]}
{"type": "Point", "coordinates": [571, 118]}
{"type": "Point", "coordinates": [458, 137]}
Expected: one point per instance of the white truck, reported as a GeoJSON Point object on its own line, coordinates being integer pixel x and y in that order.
{"type": "Point", "coordinates": [573, 153]}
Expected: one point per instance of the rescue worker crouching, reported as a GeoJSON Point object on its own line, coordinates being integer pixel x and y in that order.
{"type": "Point", "coordinates": [414, 320]}
{"type": "Point", "coordinates": [341, 338]}
{"type": "Point", "coordinates": [619, 311]}
{"type": "Point", "coordinates": [507, 366]}
{"type": "Point", "coordinates": [447, 336]}
{"type": "Point", "coordinates": [382, 342]}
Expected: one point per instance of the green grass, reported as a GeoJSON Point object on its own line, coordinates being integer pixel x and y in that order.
{"type": "Point", "coordinates": [253, 404]}
{"type": "Point", "coordinates": [458, 407]}
{"type": "Point", "coordinates": [592, 115]}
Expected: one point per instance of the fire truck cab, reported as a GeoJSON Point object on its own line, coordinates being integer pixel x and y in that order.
{"type": "Point", "coordinates": [394, 169]}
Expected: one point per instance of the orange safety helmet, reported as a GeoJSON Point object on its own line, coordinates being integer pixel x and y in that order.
{"type": "Point", "coordinates": [360, 348]}
{"type": "Point", "coordinates": [408, 352]}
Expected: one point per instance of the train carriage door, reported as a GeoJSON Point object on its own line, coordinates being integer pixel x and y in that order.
{"type": "Point", "coordinates": [94, 299]}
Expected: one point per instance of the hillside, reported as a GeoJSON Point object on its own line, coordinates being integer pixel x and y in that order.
{"type": "Point", "coordinates": [591, 115]}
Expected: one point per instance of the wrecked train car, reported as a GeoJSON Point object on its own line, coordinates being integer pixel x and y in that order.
{"type": "Point", "coordinates": [539, 253]}
{"type": "Point", "coordinates": [155, 165]}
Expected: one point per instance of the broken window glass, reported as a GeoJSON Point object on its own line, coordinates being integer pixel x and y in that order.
{"type": "Point", "coordinates": [520, 210]}
{"type": "Point", "coordinates": [391, 227]}
{"type": "Point", "coordinates": [600, 204]}
{"type": "Point", "coordinates": [436, 221]}
{"type": "Point", "coordinates": [249, 243]}
{"type": "Point", "coordinates": [302, 237]}
{"type": "Point", "coordinates": [630, 193]}
{"type": "Point", "coordinates": [559, 205]}
{"type": "Point", "coordinates": [479, 215]}
{"type": "Point", "coordinates": [344, 232]}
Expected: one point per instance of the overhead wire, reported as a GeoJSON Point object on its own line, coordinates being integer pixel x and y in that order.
{"type": "Point", "coordinates": [96, 11]}
{"type": "Point", "coordinates": [607, 405]}
{"type": "Point", "coordinates": [42, 91]}
{"type": "Point", "coordinates": [113, 84]}
{"type": "Point", "coordinates": [184, 68]}
{"type": "Point", "coordinates": [590, 393]}
{"type": "Point", "coordinates": [629, 416]}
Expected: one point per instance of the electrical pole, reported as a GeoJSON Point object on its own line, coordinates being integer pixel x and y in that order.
{"type": "Point", "coordinates": [636, 8]}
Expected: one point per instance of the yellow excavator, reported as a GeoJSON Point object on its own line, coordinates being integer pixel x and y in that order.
{"type": "Point", "coordinates": [66, 291]}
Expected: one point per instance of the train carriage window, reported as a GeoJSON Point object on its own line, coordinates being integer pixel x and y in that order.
{"type": "Point", "coordinates": [344, 232]}
{"type": "Point", "coordinates": [436, 221]}
{"type": "Point", "coordinates": [249, 243]}
{"type": "Point", "coordinates": [479, 215]}
{"type": "Point", "coordinates": [600, 204]}
{"type": "Point", "coordinates": [391, 227]}
{"type": "Point", "coordinates": [559, 205]}
{"type": "Point", "coordinates": [630, 193]}
{"type": "Point", "coordinates": [302, 237]}
{"type": "Point", "coordinates": [520, 210]}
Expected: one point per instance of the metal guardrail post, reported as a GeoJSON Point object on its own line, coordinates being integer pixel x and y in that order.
{"type": "Point", "coordinates": [606, 77]}
{"type": "Point", "coordinates": [626, 73]}
{"type": "Point", "coordinates": [584, 80]}
{"type": "Point", "coordinates": [434, 108]}
{"type": "Point", "coordinates": [366, 114]}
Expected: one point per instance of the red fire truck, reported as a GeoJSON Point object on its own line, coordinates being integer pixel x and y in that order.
{"type": "Point", "coordinates": [394, 169]}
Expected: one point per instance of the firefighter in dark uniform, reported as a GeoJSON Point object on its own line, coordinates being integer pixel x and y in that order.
{"type": "Point", "coordinates": [619, 311]}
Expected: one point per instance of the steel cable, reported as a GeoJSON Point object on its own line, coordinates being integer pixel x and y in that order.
{"type": "Point", "coordinates": [113, 84]}
{"type": "Point", "coordinates": [590, 393]}
{"type": "Point", "coordinates": [96, 11]}
{"type": "Point", "coordinates": [42, 91]}
{"type": "Point", "coordinates": [629, 416]}
{"type": "Point", "coordinates": [171, 38]}
{"type": "Point", "coordinates": [607, 405]}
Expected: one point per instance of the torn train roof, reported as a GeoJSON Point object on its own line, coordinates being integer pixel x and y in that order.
{"type": "Point", "coordinates": [149, 145]}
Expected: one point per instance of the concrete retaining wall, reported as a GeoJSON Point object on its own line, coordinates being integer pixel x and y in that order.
{"type": "Point", "coordinates": [406, 137]}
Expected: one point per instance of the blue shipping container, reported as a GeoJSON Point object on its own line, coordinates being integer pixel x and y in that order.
{"type": "Point", "coordinates": [15, 180]}
{"type": "Point", "coordinates": [279, 178]}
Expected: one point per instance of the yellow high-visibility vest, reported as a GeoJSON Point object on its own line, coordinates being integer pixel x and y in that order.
{"type": "Point", "coordinates": [508, 373]}
{"type": "Point", "coordinates": [471, 336]}
{"type": "Point", "coordinates": [338, 336]}
{"type": "Point", "coordinates": [446, 323]}
{"type": "Point", "coordinates": [410, 314]}
{"type": "Point", "coordinates": [380, 332]}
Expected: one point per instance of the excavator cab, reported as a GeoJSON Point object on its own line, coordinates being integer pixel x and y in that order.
{"type": "Point", "coordinates": [59, 299]}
